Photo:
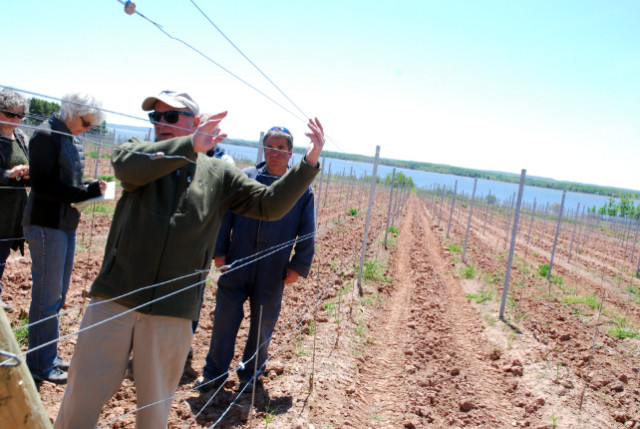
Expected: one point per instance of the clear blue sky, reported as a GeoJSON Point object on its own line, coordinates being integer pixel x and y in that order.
{"type": "Point", "coordinates": [550, 86]}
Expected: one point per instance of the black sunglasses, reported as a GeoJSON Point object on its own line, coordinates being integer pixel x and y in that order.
{"type": "Point", "coordinates": [171, 116]}
{"type": "Point", "coordinates": [85, 123]}
{"type": "Point", "coordinates": [13, 114]}
{"type": "Point", "coordinates": [283, 129]}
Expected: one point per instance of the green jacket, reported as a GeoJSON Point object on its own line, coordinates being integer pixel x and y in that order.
{"type": "Point", "coordinates": [166, 222]}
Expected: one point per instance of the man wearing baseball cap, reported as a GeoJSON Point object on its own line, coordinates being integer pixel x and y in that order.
{"type": "Point", "coordinates": [179, 111]}
{"type": "Point", "coordinates": [157, 256]}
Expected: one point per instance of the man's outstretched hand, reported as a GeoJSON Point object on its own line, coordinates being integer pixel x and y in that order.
{"type": "Point", "coordinates": [317, 142]}
{"type": "Point", "coordinates": [208, 133]}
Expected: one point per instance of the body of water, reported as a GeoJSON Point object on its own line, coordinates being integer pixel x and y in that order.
{"type": "Point", "coordinates": [424, 179]}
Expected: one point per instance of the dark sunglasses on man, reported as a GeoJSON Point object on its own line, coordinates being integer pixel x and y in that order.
{"type": "Point", "coordinates": [13, 114]}
{"type": "Point", "coordinates": [171, 116]}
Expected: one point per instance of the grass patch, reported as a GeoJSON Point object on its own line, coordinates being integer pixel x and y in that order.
{"type": "Point", "coordinates": [360, 329]}
{"type": "Point", "coordinates": [373, 270]}
{"type": "Point", "coordinates": [104, 208]}
{"type": "Point", "coordinates": [469, 272]}
{"type": "Point", "coordinates": [481, 296]}
{"type": "Point", "coordinates": [331, 308]}
{"type": "Point", "coordinates": [391, 241]}
{"type": "Point", "coordinates": [372, 299]}
{"type": "Point", "coordinates": [352, 211]}
{"type": "Point", "coordinates": [394, 230]}
{"type": "Point", "coordinates": [453, 248]}
{"type": "Point", "coordinates": [543, 271]}
{"type": "Point", "coordinates": [622, 330]}
{"type": "Point", "coordinates": [22, 333]}
{"type": "Point", "coordinates": [491, 321]}
{"type": "Point", "coordinates": [107, 177]}
{"type": "Point", "coordinates": [589, 300]}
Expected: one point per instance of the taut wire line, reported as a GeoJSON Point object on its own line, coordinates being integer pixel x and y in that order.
{"type": "Point", "coordinates": [159, 27]}
{"type": "Point", "coordinates": [296, 316]}
{"type": "Point", "coordinates": [318, 299]}
{"type": "Point", "coordinates": [247, 58]}
{"type": "Point", "coordinates": [126, 115]}
{"type": "Point", "coordinates": [262, 254]}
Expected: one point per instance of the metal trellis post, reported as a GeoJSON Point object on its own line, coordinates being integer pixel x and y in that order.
{"type": "Point", "coordinates": [366, 227]}
{"type": "Point", "coordinates": [505, 289]}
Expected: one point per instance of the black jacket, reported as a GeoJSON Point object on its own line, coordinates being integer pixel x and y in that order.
{"type": "Point", "coordinates": [13, 194]}
{"type": "Point", "coordinates": [56, 165]}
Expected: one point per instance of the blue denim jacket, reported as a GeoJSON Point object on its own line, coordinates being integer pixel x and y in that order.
{"type": "Point", "coordinates": [241, 237]}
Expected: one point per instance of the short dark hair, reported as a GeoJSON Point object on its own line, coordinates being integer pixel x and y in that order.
{"type": "Point", "coordinates": [277, 132]}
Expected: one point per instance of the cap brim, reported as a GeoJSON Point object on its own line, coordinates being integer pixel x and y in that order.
{"type": "Point", "coordinates": [150, 102]}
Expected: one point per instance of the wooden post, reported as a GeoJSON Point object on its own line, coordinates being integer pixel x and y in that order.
{"type": "Point", "coordinates": [21, 406]}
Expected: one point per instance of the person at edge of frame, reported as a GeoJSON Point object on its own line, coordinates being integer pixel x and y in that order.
{"type": "Point", "coordinates": [14, 175]}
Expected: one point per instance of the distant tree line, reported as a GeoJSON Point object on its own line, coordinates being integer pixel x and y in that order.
{"type": "Point", "coordinates": [40, 110]}
{"type": "Point", "coordinates": [467, 172]}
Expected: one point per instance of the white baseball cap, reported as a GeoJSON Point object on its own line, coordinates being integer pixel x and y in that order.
{"type": "Point", "coordinates": [174, 99]}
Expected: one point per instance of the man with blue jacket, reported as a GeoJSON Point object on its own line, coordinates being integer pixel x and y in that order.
{"type": "Point", "coordinates": [240, 244]}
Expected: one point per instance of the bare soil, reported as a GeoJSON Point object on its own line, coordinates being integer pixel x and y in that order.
{"type": "Point", "coordinates": [413, 350]}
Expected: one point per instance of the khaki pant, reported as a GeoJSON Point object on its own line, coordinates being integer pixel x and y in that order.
{"type": "Point", "coordinates": [160, 345]}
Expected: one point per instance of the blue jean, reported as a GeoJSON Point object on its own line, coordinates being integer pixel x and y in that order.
{"type": "Point", "coordinates": [52, 252]}
{"type": "Point", "coordinates": [5, 250]}
{"type": "Point", "coordinates": [227, 317]}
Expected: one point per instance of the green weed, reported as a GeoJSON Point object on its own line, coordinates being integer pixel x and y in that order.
{"type": "Point", "coordinates": [454, 248]}
{"type": "Point", "coordinates": [269, 413]}
{"type": "Point", "coordinates": [393, 230]}
{"type": "Point", "coordinates": [331, 308]}
{"type": "Point", "coordinates": [352, 211]}
{"type": "Point", "coordinates": [21, 334]}
{"type": "Point", "coordinates": [481, 296]}
{"type": "Point", "coordinates": [589, 300]}
{"type": "Point", "coordinates": [373, 270]}
{"type": "Point", "coordinates": [371, 299]}
{"type": "Point", "coordinates": [360, 329]}
{"type": "Point", "coordinates": [490, 320]}
{"type": "Point", "coordinates": [622, 330]}
{"type": "Point", "coordinates": [469, 272]}
{"type": "Point", "coordinates": [543, 271]}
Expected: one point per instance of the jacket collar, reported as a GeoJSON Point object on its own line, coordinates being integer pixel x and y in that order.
{"type": "Point", "coordinates": [58, 124]}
